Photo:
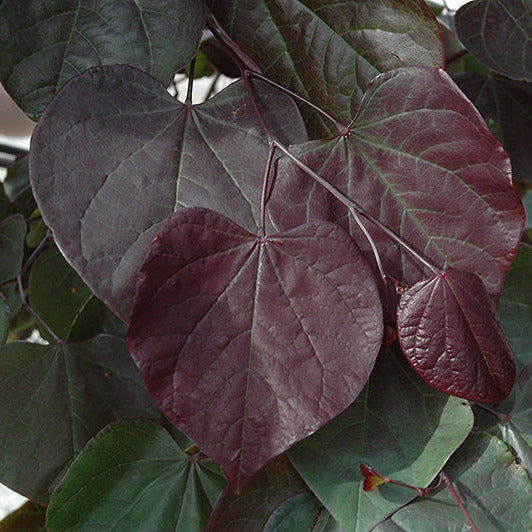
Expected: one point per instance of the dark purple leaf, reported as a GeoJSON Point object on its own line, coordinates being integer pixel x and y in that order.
{"type": "Point", "coordinates": [499, 34]}
{"type": "Point", "coordinates": [420, 159]}
{"type": "Point", "coordinates": [130, 155]}
{"type": "Point", "coordinates": [329, 51]}
{"type": "Point", "coordinates": [248, 344]}
{"type": "Point", "coordinates": [449, 331]}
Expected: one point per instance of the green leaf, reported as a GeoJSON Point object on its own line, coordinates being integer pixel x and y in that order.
{"type": "Point", "coordinates": [134, 473]}
{"type": "Point", "coordinates": [398, 425]}
{"type": "Point", "coordinates": [30, 517]}
{"type": "Point", "coordinates": [515, 306]}
{"type": "Point", "coordinates": [5, 316]}
{"type": "Point", "coordinates": [494, 489]}
{"type": "Point", "coordinates": [18, 188]}
{"type": "Point", "coordinates": [12, 233]}
{"type": "Point", "coordinates": [59, 296]}
{"type": "Point", "coordinates": [44, 44]}
{"type": "Point", "coordinates": [329, 51]}
{"type": "Point", "coordinates": [54, 399]}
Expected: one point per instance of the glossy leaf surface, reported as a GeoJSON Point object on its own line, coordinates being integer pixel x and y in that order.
{"type": "Point", "coordinates": [398, 425]}
{"type": "Point", "coordinates": [228, 332]}
{"type": "Point", "coordinates": [276, 499]}
{"type": "Point", "coordinates": [420, 159]}
{"type": "Point", "coordinates": [44, 44]}
{"type": "Point", "coordinates": [499, 34]}
{"type": "Point", "coordinates": [123, 145]}
{"type": "Point", "coordinates": [449, 331]}
{"type": "Point", "coordinates": [515, 307]}
{"type": "Point", "coordinates": [494, 489]}
{"type": "Point", "coordinates": [30, 517]}
{"type": "Point", "coordinates": [12, 233]}
{"type": "Point", "coordinates": [329, 51]}
{"type": "Point", "coordinates": [131, 475]}
{"type": "Point", "coordinates": [507, 107]}
{"type": "Point", "coordinates": [55, 398]}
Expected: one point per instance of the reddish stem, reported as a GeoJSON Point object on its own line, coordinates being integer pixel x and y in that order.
{"type": "Point", "coordinates": [449, 484]}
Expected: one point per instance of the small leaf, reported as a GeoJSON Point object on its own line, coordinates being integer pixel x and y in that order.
{"type": "Point", "coordinates": [30, 517]}
{"type": "Point", "coordinates": [130, 475]}
{"type": "Point", "coordinates": [55, 398]}
{"type": "Point", "coordinates": [498, 34]}
{"type": "Point", "coordinates": [229, 333]}
{"type": "Point", "coordinates": [372, 479]}
{"type": "Point", "coordinates": [449, 331]}
{"type": "Point", "coordinates": [43, 46]}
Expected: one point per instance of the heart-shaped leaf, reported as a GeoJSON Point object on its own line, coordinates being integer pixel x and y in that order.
{"type": "Point", "coordinates": [131, 475]}
{"type": "Point", "coordinates": [121, 145]}
{"type": "Point", "coordinates": [329, 52]}
{"type": "Point", "coordinates": [494, 489]}
{"type": "Point", "coordinates": [403, 428]}
{"type": "Point", "coordinates": [498, 33]}
{"type": "Point", "coordinates": [420, 159]}
{"type": "Point", "coordinates": [450, 332]}
{"type": "Point", "coordinates": [44, 45]}
{"type": "Point", "coordinates": [232, 333]}
{"type": "Point", "coordinates": [56, 397]}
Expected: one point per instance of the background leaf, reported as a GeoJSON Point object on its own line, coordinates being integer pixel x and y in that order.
{"type": "Point", "coordinates": [329, 51]}
{"type": "Point", "coordinates": [228, 332]}
{"type": "Point", "coordinates": [498, 33]}
{"type": "Point", "coordinates": [134, 473]}
{"type": "Point", "coordinates": [122, 144]}
{"type": "Point", "coordinates": [44, 44]}
{"type": "Point", "coordinates": [30, 517]}
{"type": "Point", "coordinates": [5, 316]}
{"type": "Point", "coordinates": [56, 397]}
{"type": "Point", "coordinates": [400, 426]}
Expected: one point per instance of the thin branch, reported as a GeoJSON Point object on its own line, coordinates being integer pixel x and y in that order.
{"type": "Point", "coordinates": [449, 484]}
{"type": "Point", "coordinates": [188, 100]}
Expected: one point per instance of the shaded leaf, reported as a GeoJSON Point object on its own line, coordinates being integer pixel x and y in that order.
{"type": "Point", "coordinates": [44, 44]}
{"type": "Point", "coordinates": [499, 34]}
{"type": "Point", "coordinates": [507, 107]}
{"type": "Point", "coordinates": [276, 499]}
{"type": "Point", "coordinates": [30, 517]}
{"type": "Point", "coordinates": [400, 426]}
{"type": "Point", "coordinates": [133, 473]}
{"type": "Point", "coordinates": [12, 233]}
{"type": "Point", "coordinates": [449, 331]}
{"type": "Point", "coordinates": [56, 397]}
{"type": "Point", "coordinates": [18, 188]}
{"type": "Point", "coordinates": [5, 316]}
{"type": "Point", "coordinates": [229, 333]}
{"type": "Point", "coordinates": [420, 159]}
{"type": "Point", "coordinates": [329, 51]}
{"type": "Point", "coordinates": [515, 307]}
{"type": "Point", "coordinates": [495, 490]}
{"type": "Point", "coordinates": [121, 144]}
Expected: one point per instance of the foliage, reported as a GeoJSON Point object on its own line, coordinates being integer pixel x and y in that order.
{"type": "Point", "coordinates": [294, 306]}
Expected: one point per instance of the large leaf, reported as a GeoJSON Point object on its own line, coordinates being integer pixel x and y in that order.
{"type": "Point", "coordinates": [495, 490]}
{"type": "Point", "coordinates": [56, 397]}
{"type": "Point", "coordinates": [120, 144]}
{"type": "Point", "coordinates": [507, 107]}
{"type": "Point", "coordinates": [12, 233]}
{"type": "Point", "coordinates": [420, 159]}
{"type": "Point", "coordinates": [276, 500]}
{"type": "Point", "coordinates": [515, 307]}
{"type": "Point", "coordinates": [328, 51]}
{"type": "Point", "coordinates": [450, 332]}
{"type": "Point", "coordinates": [234, 337]}
{"type": "Point", "coordinates": [398, 425]}
{"type": "Point", "coordinates": [133, 476]}
{"type": "Point", "coordinates": [44, 44]}
{"type": "Point", "coordinates": [498, 33]}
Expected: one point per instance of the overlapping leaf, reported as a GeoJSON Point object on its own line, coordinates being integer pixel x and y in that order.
{"type": "Point", "coordinates": [329, 51]}
{"type": "Point", "coordinates": [44, 44]}
{"type": "Point", "coordinates": [130, 155]}
{"type": "Point", "coordinates": [56, 397]}
{"type": "Point", "coordinates": [420, 159]}
{"type": "Point", "coordinates": [134, 476]}
{"type": "Point", "coordinates": [499, 34]}
{"type": "Point", "coordinates": [495, 490]}
{"type": "Point", "coordinates": [234, 337]}
{"type": "Point", "coordinates": [400, 426]}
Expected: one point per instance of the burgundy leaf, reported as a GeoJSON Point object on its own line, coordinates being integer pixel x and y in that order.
{"type": "Point", "coordinates": [421, 159]}
{"type": "Point", "coordinates": [248, 344]}
{"type": "Point", "coordinates": [450, 333]}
